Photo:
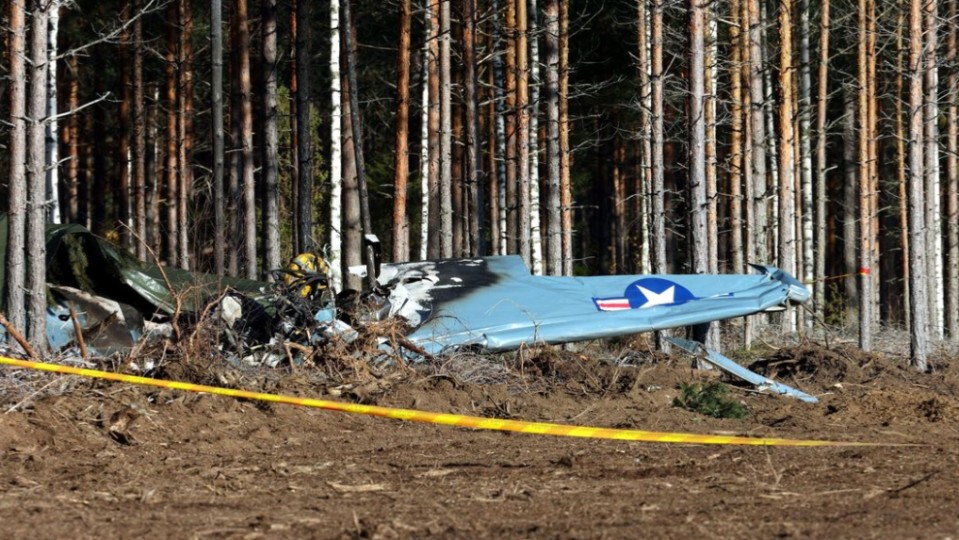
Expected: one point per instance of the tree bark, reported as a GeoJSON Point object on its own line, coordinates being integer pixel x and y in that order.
{"type": "Point", "coordinates": [246, 141]}
{"type": "Point", "coordinates": [336, 151]}
{"type": "Point", "coordinates": [805, 152]}
{"type": "Point", "coordinates": [532, 152]}
{"type": "Point", "coordinates": [219, 220]}
{"type": "Point", "coordinates": [933, 182]}
{"type": "Point", "coordinates": [760, 225]}
{"type": "Point", "coordinates": [185, 131]}
{"type": "Point", "coordinates": [15, 303]}
{"type": "Point", "coordinates": [865, 201]}
{"type": "Point", "coordinates": [522, 135]}
{"type": "Point", "coordinates": [554, 234]}
{"type": "Point", "coordinates": [304, 146]}
{"type": "Point", "coordinates": [446, 134]}
{"type": "Point", "coordinates": [401, 233]}
{"type": "Point", "coordinates": [271, 195]}
{"type": "Point", "coordinates": [434, 239]}
{"type": "Point", "coordinates": [52, 146]}
{"type": "Point", "coordinates": [36, 270]}
{"type": "Point", "coordinates": [822, 136]}
{"type": "Point", "coordinates": [138, 147]}
{"type": "Point", "coordinates": [918, 297]}
{"type": "Point", "coordinates": [474, 145]}
{"type": "Point", "coordinates": [171, 236]}
{"type": "Point", "coordinates": [952, 175]}
{"type": "Point", "coordinates": [736, 133]}
{"type": "Point", "coordinates": [787, 191]}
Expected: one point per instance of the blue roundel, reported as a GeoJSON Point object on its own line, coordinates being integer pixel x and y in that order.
{"type": "Point", "coordinates": [653, 291]}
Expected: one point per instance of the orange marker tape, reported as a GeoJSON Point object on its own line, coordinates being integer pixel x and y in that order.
{"type": "Point", "coordinates": [474, 422]}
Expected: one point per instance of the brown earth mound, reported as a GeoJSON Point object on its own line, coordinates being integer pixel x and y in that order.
{"type": "Point", "coordinates": [84, 458]}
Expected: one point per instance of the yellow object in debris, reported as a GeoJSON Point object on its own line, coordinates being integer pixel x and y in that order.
{"type": "Point", "coordinates": [302, 268]}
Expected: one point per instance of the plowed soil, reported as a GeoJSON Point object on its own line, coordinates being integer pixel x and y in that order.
{"type": "Point", "coordinates": [106, 460]}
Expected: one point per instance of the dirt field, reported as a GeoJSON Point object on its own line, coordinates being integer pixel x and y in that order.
{"type": "Point", "coordinates": [108, 460]}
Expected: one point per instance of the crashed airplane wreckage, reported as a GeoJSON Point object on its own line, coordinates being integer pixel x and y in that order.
{"type": "Point", "coordinates": [483, 304]}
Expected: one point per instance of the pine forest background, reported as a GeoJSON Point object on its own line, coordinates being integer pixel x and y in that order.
{"type": "Point", "coordinates": [640, 136]}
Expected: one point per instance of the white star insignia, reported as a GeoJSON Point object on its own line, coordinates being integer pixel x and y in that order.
{"type": "Point", "coordinates": [657, 299]}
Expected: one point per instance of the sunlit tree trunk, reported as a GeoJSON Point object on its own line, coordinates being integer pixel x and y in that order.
{"type": "Point", "coordinates": [760, 224]}
{"type": "Point", "coordinates": [246, 140]}
{"type": "Point", "coordinates": [36, 269]}
{"type": "Point", "coordinates": [434, 247]}
{"type": "Point", "coordinates": [566, 192]}
{"type": "Point", "coordinates": [52, 147]}
{"type": "Point", "coordinates": [522, 133]}
{"type": "Point", "coordinates": [952, 174]}
{"type": "Point", "coordinates": [171, 235]}
{"type": "Point", "coordinates": [822, 102]}
{"type": "Point", "coordinates": [401, 233]}
{"type": "Point", "coordinates": [446, 134]}
{"type": "Point", "coordinates": [14, 303]}
{"type": "Point", "coordinates": [554, 225]}
{"type": "Point", "coordinates": [918, 297]}
{"type": "Point", "coordinates": [185, 131]}
{"type": "Point", "coordinates": [474, 144]}
{"type": "Point", "coordinates": [426, 164]}
{"type": "Point", "coordinates": [645, 181]}
{"type": "Point", "coordinates": [772, 149]}
{"type": "Point", "coordinates": [709, 112]}
{"type": "Point", "coordinates": [787, 183]}
{"type": "Point", "coordinates": [736, 133]}
{"type": "Point", "coordinates": [336, 152]}
{"type": "Point", "coordinates": [865, 201]}
{"type": "Point", "coordinates": [536, 243]}
{"type": "Point", "coordinates": [805, 152]}
{"type": "Point", "coordinates": [933, 182]}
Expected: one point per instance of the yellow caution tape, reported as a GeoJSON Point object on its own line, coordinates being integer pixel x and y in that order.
{"type": "Point", "coordinates": [475, 422]}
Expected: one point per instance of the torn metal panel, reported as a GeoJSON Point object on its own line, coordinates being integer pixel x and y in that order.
{"type": "Point", "coordinates": [494, 303]}
{"type": "Point", "coordinates": [728, 365]}
{"type": "Point", "coordinates": [107, 326]}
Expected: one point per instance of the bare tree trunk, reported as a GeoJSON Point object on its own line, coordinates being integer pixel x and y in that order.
{"type": "Point", "coordinates": [139, 136]}
{"type": "Point", "coordinates": [760, 223]}
{"type": "Point", "coordinates": [933, 182]}
{"type": "Point", "coordinates": [522, 134]}
{"type": "Point", "coordinates": [865, 202]}
{"type": "Point", "coordinates": [952, 174]}
{"type": "Point", "coordinates": [511, 117]}
{"type": "Point", "coordinates": [352, 228]}
{"type": "Point", "coordinates": [772, 149]}
{"type": "Point", "coordinates": [185, 130]}
{"type": "Point", "coordinates": [849, 201]}
{"type": "Point", "coordinates": [901, 162]}
{"type": "Point", "coordinates": [735, 145]}
{"type": "Point", "coordinates": [52, 147]}
{"type": "Point", "coordinates": [697, 138]}
{"type": "Point", "coordinates": [426, 155]}
{"type": "Point", "coordinates": [434, 246]}
{"type": "Point", "coordinates": [566, 192]}
{"type": "Point", "coordinates": [121, 196]}
{"type": "Point", "coordinates": [709, 112]}
{"type": "Point", "coordinates": [304, 146]}
{"type": "Point", "coordinates": [805, 152]}
{"type": "Point", "coordinates": [271, 194]}
{"type": "Point", "coordinates": [536, 237]}
{"type": "Point", "coordinates": [787, 184]}
{"type": "Point", "coordinates": [474, 143]}
{"type": "Point", "coordinates": [172, 236]}
{"type": "Point", "coordinates": [336, 151]}
{"type": "Point", "coordinates": [645, 182]}
{"type": "Point", "coordinates": [246, 138]}
{"type": "Point", "coordinates": [446, 135]}
{"type": "Point", "coordinates": [918, 297]}
{"type": "Point", "coordinates": [499, 98]}
{"type": "Point", "coordinates": [72, 128]}
{"type": "Point", "coordinates": [36, 270]}
{"type": "Point", "coordinates": [821, 171]}
{"type": "Point", "coordinates": [219, 222]}
{"type": "Point", "coordinates": [554, 234]}
{"type": "Point", "coordinates": [152, 163]}
{"type": "Point", "coordinates": [14, 303]}
{"type": "Point", "coordinates": [401, 233]}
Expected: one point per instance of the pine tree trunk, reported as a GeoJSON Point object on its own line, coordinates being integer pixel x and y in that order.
{"type": "Point", "coordinates": [865, 201]}
{"type": "Point", "coordinates": [709, 112]}
{"type": "Point", "coordinates": [434, 247]}
{"type": "Point", "coordinates": [850, 202]}
{"type": "Point", "coordinates": [736, 133]}
{"type": "Point", "coordinates": [138, 149]}
{"type": "Point", "coordinates": [271, 194]}
{"type": "Point", "coordinates": [511, 116]}
{"type": "Point", "coordinates": [805, 153]}
{"type": "Point", "coordinates": [566, 192]}
{"type": "Point", "coordinates": [36, 247]}
{"type": "Point", "coordinates": [499, 98]}
{"type": "Point", "coordinates": [185, 131]}
{"type": "Point", "coordinates": [14, 302]}
{"type": "Point", "coordinates": [933, 182]}
{"type": "Point", "coordinates": [787, 193]}
{"type": "Point", "coordinates": [697, 138]}
{"type": "Point", "coordinates": [918, 297]}
{"type": "Point", "coordinates": [72, 129]}
{"type": "Point", "coordinates": [247, 182]}
{"type": "Point", "coordinates": [401, 233]}
{"type": "Point", "coordinates": [171, 235]}
{"type": "Point", "coordinates": [304, 138]}
{"type": "Point", "coordinates": [122, 165]}
{"type": "Point", "coordinates": [219, 220]}
{"type": "Point", "coordinates": [822, 136]}
{"type": "Point", "coordinates": [554, 233]}
{"type": "Point", "coordinates": [522, 134]}
{"type": "Point", "coordinates": [446, 135]}
{"type": "Point", "coordinates": [152, 164]}
{"type": "Point", "coordinates": [474, 144]}
{"type": "Point", "coordinates": [645, 181]}
{"type": "Point", "coordinates": [760, 224]}
{"type": "Point", "coordinates": [952, 175]}
{"type": "Point", "coordinates": [352, 228]}
{"type": "Point", "coordinates": [901, 162]}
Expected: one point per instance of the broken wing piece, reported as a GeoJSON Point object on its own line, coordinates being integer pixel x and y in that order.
{"type": "Point", "coordinates": [493, 303]}
{"type": "Point", "coordinates": [726, 364]}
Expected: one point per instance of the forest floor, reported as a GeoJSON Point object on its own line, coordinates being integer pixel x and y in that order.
{"type": "Point", "coordinates": [82, 458]}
